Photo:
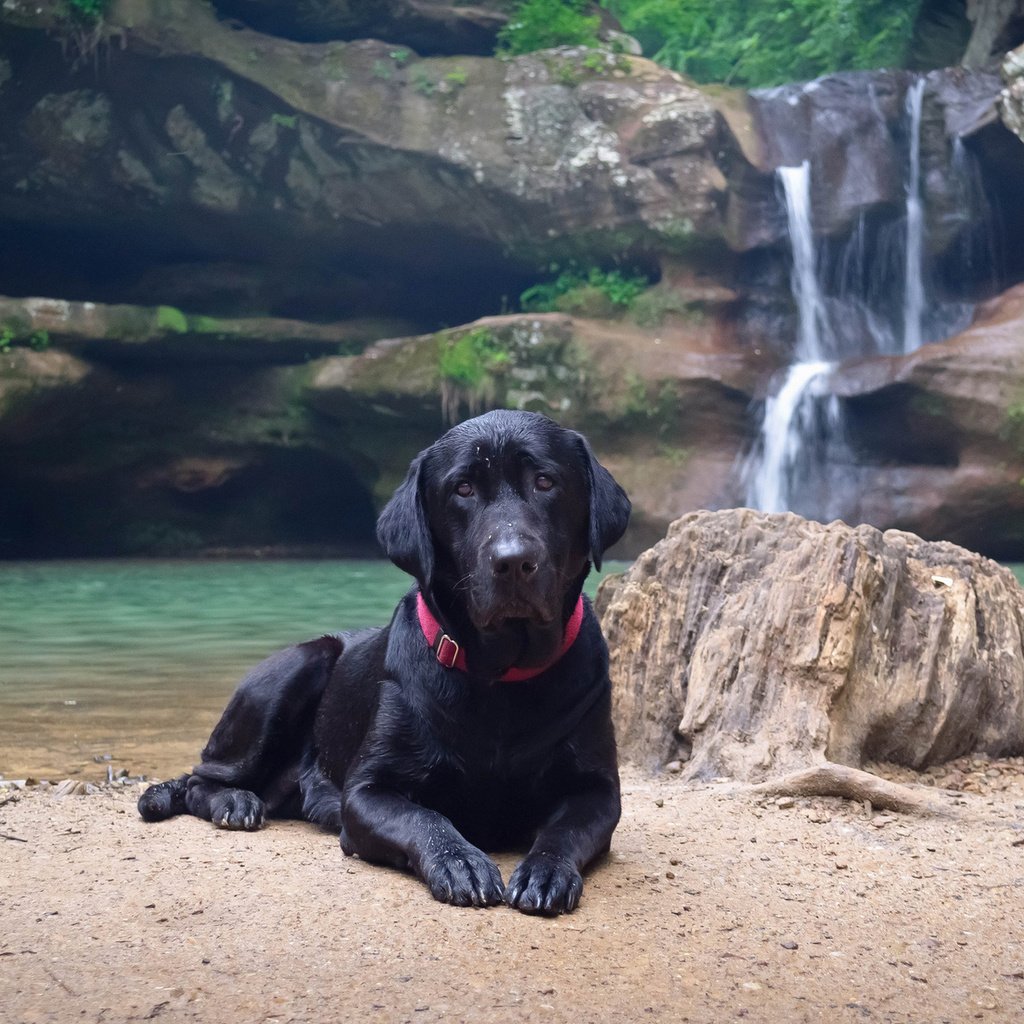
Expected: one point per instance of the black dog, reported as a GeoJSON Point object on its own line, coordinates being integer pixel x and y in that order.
{"type": "Point", "coordinates": [480, 717]}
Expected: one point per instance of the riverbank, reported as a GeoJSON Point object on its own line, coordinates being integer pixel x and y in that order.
{"type": "Point", "coordinates": [713, 906]}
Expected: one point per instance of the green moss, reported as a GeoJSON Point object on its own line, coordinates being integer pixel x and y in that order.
{"type": "Point", "coordinates": [1013, 426]}
{"type": "Point", "coordinates": [206, 325]}
{"type": "Point", "coordinates": [470, 358]}
{"type": "Point", "coordinates": [285, 120]}
{"type": "Point", "coordinates": [170, 319]}
{"type": "Point", "coordinates": [333, 65]}
{"type": "Point", "coordinates": [675, 455]}
{"type": "Point", "coordinates": [421, 82]}
{"type": "Point", "coordinates": [87, 10]}
{"type": "Point", "coordinates": [39, 341]}
{"type": "Point", "coordinates": [651, 308]}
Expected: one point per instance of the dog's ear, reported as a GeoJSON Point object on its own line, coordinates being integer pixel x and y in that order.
{"type": "Point", "coordinates": [402, 528]}
{"type": "Point", "coordinates": [609, 505]}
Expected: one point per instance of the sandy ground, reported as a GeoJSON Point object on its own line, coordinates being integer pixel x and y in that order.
{"type": "Point", "coordinates": [713, 906]}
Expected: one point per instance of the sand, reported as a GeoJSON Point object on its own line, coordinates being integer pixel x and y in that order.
{"type": "Point", "coordinates": [713, 906]}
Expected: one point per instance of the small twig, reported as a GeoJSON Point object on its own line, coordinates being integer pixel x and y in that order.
{"type": "Point", "coordinates": [853, 784]}
{"type": "Point", "coordinates": [13, 839]}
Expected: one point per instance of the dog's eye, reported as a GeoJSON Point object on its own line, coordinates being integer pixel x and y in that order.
{"type": "Point", "coordinates": [464, 489]}
{"type": "Point", "coordinates": [543, 482]}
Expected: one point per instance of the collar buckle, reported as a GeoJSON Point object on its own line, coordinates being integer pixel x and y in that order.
{"type": "Point", "coordinates": [446, 650]}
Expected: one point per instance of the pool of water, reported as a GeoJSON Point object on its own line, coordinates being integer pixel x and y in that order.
{"type": "Point", "coordinates": [129, 663]}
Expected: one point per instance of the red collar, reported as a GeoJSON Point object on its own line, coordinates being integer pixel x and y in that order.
{"type": "Point", "coordinates": [449, 654]}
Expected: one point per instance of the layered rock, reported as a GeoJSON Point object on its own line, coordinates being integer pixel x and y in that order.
{"type": "Point", "coordinates": [939, 433]}
{"type": "Point", "coordinates": [749, 644]}
{"type": "Point", "coordinates": [303, 217]}
{"type": "Point", "coordinates": [195, 140]}
{"type": "Point", "coordinates": [428, 26]}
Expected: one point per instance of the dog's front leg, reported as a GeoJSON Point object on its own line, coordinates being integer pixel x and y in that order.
{"type": "Point", "coordinates": [550, 880]}
{"type": "Point", "coordinates": [385, 827]}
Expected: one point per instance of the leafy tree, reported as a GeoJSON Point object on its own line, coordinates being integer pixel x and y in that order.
{"type": "Point", "coordinates": [541, 24]}
{"type": "Point", "coordinates": [768, 42]}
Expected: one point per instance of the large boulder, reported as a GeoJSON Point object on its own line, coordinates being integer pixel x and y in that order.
{"type": "Point", "coordinates": [749, 644]}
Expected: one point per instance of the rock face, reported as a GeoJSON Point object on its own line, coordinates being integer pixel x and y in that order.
{"type": "Point", "coordinates": [428, 26]}
{"type": "Point", "coordinates": [940, 433]}
{"type": "Point", "coordinates": [750, 644]}
{"type": "Point", "coordinates": [196, 141]}
{"type": "Point", "coordinates": [252, 229]}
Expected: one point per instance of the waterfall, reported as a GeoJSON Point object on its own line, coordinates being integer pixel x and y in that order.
{"type": "Point", "coordinates": [801, 418]}
{"type": "Point", "coordinates": [857, 294]}
{"type": "Point", "coordinates": [913, 296]}
{"type": "Point", "coordinates": [796, 188]}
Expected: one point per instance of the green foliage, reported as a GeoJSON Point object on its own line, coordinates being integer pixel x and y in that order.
{"type": "Point", "coordinates": [658, 409]}
{"type": "Point", "coordinates": [651, 308]}
{"type": "Point", "coordinates": [457, 76]}
{"type": "Point", "coordinates": [1013, 427]}
{"type": "Point", "coordinates": [541, 24]}
{"type": "Point", "coordinates": [400, 56]}
{"type": "Point", "coordinates": [285, 120]}
{"type": "Point", "coordinates": [170, 319]}
{"type": "Point", "coordinates": [422, 82]}
{"type": "Point", "coordinates": [38, 341]}
{"type": "Point", "coordinates": [621, 290]}
{"type": "Point", "coordinates": [88, 10]}
{"type": "Point", "coordinates": [468, 360]}
{"type": "Point", "coordinates": [383, 70]}
{"type": "Point", "coordinates": [769, 42]}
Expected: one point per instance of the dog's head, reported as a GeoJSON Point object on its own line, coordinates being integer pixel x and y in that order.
{"type": "Point", "coordinates": [503, 515]}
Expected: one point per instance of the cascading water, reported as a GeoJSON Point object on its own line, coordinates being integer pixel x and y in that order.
{"type": "Point", "coordinates": [913, 295]}
{"type": "Point", "coordinates": [802, 422]}
{"type": "Point", "coordinates": [861, 296]}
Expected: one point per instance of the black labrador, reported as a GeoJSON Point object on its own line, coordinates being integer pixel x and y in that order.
{"type": "Point", "coordinates": [480, 718]}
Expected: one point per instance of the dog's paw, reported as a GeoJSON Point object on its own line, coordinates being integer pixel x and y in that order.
{"type": "Point", "coordinates": [544, 884]}
{"type": "Point", "coordinates": [163, 800]}
{"type": "Point", "coordinates": [237, 809]}
{"type": "Point", "coordinates": [466, 878]}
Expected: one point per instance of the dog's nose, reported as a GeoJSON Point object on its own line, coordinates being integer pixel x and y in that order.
{"type": "Point", "coordinates": [514, 559]}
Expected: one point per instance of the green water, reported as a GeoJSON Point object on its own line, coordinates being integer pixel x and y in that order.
{"type": "Point", "coordinates": [129, 663]}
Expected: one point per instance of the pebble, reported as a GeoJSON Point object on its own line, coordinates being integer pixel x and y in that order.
{"type": "Point", "coordinates": [973, 773]}
{"type": "Point", "coordinates": [785, 802]}
{"type": "Point", "coordinates": [74, 787]}
{"type": "Point", "coordinates": [789, 944]}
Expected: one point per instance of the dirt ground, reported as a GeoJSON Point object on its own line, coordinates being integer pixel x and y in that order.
{"type": "Point", "coordinates": [713, 906]}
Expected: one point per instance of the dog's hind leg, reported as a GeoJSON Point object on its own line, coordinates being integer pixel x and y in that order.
{"type": "Point", "coordinates": [250, 767]}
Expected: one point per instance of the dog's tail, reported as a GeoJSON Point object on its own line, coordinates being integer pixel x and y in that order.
{"type": "Point", "coordinates": [164, 800]}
